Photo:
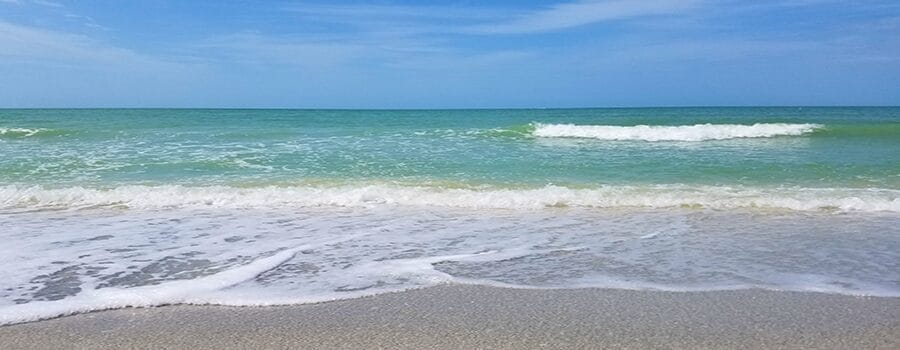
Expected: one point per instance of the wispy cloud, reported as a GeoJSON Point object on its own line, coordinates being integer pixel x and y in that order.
{"type": "Point", "coordinates": [367, 11]}
{"type": "Point", "coordinates": [483, 20]}
{"type": "Point", "coordinates": [48, 3]}
{"type": "Point", "coordinates": [51, 10]}
{"type": "Point", "coordinates": [86, 20]}
{"type": "Point", "coordinates": [398, 20]}
{"type": "Point", "coordinates": [36, 2]}
{"type": "Point", "coordinates": [43, 67]}
{"type": "Point", "coordinates": [30, 44]}
{"type": "Point", "coordinates": [516, 52]}
{"type": "Point", "coordinates": [579, 13]}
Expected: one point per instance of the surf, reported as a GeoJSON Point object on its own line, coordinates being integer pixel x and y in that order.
{"type": "Point", "coordinates": [687, 133]}
{"type": "Point", "coordinates": [13, 197]}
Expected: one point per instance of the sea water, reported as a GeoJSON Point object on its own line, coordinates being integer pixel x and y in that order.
{"type": "Point", "coordinates": [113, 208]}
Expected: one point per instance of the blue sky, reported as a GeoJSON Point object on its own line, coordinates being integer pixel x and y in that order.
{"type": "Point", "coordinates": [448, 54]}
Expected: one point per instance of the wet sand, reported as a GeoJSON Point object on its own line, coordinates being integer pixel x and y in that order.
{"type": "Point", "coordinates": [470, 317]}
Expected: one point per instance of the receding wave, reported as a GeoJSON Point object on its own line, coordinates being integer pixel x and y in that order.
{"type": "Point", "coordinates": [698, 132]}
{"type": "Point", "coordinates": [656, 196]}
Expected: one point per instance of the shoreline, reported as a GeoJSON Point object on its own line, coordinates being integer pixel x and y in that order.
{"type": "Point", "coordinates": [468, 316]}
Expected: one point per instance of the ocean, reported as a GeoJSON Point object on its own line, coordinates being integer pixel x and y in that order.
{"type": "Point", "coordinates": [110, 208]}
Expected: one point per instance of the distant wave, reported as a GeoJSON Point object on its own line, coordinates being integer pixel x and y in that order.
{"type": "Point", "coordinates": [22, 132]}
{"type": "Point", "coordinates": [655, 196]}
{"type": "Point", "coordinates": [698, 132]}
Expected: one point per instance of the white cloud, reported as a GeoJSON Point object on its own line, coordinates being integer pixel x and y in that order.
{"type": "Point", "coordinates": [48, 3]}
{"type": "Point", "coordinates": [35, 45]}
{"type": "Point", "coordinates": [581, 13]}
{"type": "Point", "coordinates": [486, 19]}
{"type": "Point", "coordinates": [85, 20]}
{"type": "Point", "coordinates": [356, 12]}
{"type": "Point", "coordinates": [36, 2]}
{"type": "Point", "coordinates": [395, 20]}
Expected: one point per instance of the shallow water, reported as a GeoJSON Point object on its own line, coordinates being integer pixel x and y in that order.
{"type": "Point", "coordinates": [113, 208]}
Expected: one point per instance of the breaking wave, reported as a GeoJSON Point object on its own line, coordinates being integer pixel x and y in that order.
{"type": "Point", "coordinates": [698, 132]}
{"type": "Point", "coordinates": [654, 196]}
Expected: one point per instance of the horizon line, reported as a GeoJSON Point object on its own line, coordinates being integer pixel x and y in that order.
{"type": "Point", "coordinates": [450, 108]}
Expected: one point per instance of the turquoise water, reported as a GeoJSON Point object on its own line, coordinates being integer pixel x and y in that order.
{"type": "Point", "coordinates": [853, 147]}
{"type": "Point", "coordinates": [112, 208]}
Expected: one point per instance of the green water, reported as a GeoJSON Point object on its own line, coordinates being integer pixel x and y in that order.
{"type": "Point", "coordinates": [854, 147]}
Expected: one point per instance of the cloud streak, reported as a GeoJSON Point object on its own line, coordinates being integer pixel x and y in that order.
{"type": "Point", "coordinates": [580, 13]}
{"type": "Point", "coordinates": [33, 45]}
{"type": "Point", "coordinates": [490, 20]}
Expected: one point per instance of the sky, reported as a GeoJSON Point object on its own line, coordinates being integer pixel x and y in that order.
{"type": "Point", "coordinates": [448, 54]}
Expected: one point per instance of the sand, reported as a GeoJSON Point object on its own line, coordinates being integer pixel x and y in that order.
{"type": "Point", "coordinates": [476, 317]}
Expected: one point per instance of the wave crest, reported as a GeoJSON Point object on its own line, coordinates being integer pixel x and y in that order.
{"type": "Point", "coordinates": [21, 132]}
{"type": "Point", "coordinates": [698, 132]}
{"type": "Point", "coordinates": [658, 196]}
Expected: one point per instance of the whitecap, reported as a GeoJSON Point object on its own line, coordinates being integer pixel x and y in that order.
{"type": "Point", "coordinates": [692, 133]}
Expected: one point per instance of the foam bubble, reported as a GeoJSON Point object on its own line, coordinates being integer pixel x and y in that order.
{"type": "Point", "coordinates": [698, 132]}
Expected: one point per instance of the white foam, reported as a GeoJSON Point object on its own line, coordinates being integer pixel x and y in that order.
{"type": "Point", "coordinates": [167, 293]}
{"type": "Point", "coordinates": [78, 261]}
{"type": "Point", "coordinates": [798, 283]}
{"type": "Point", "coordinates": [21, 132]}
{"type": "Point", "coordinates": [699, 132]}
{"type": "Point", "coordinates": [197, 291]}
{"type": "Point", "coordinates": [656, 196]}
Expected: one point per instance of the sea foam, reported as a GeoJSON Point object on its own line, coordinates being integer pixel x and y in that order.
{"type": "Point", "coordinates": [698, 132]}
{"type": "Point", "coordinates": [651, 196]}
{"type": "Point", "coordinates": [79, 261]}
{"type": "Point", "coordinates": [21, 132]}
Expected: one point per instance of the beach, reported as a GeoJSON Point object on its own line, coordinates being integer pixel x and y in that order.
{"type": "Point", "coordinates": [724, 227]}
{"type": "Point", "coordinates": [557, 174]}
{"type": "Point", "coordinates": [478, 317]}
